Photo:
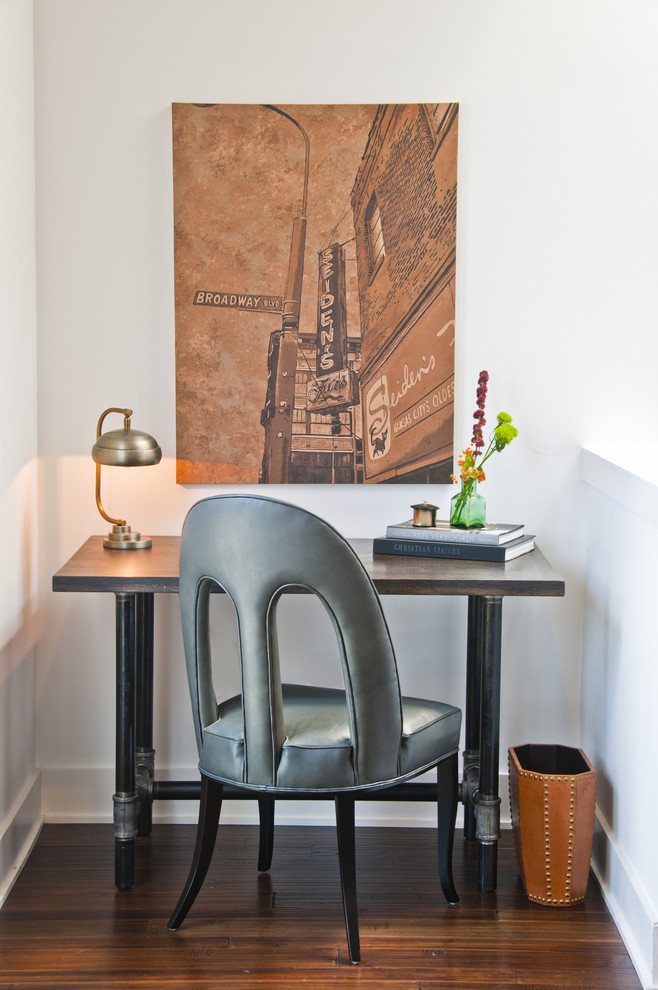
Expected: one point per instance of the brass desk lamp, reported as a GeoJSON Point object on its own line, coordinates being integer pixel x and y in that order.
{"type": "Point", "coordinates": [122, 448]}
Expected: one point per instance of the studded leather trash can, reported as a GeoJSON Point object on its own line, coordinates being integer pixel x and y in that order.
{"type": "Point", "coordinates": [552, 799]}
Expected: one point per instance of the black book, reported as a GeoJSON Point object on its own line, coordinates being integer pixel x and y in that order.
{"type": "Point", "coordinates": [454, 551]}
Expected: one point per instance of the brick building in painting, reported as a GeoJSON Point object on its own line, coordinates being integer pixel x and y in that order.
{"type": "Point", "coordinates": [376, 404]}
{"type": "Point", "coordinates": [404, 205]}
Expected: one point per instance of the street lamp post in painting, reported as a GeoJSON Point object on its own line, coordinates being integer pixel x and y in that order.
{"type": "Point", "coordinates": [277, 414]}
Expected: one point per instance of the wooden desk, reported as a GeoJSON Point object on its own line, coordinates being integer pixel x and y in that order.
{"type": "Point", "coordinates": [135, 576]}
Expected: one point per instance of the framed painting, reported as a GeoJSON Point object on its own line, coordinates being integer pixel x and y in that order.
{"type": "Point", "coordinates": [314, 253]}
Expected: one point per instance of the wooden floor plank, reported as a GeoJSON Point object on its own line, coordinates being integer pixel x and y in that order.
{"type": "Point", "coordinates": [64, 924]}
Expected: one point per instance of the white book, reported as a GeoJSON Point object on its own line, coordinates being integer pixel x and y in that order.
{"type": "Point", "coordinates": [493, 534]}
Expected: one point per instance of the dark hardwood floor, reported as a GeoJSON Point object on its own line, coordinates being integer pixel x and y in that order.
{"type": "Point", "coordinates": [64, 924]}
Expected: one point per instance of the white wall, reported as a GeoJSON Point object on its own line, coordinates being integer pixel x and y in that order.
{"type": "Point", "coordinates": [19, 782]}
{"type": "Point", "coordinates": [557, 214]}
{"type": "Point", "coordinates": [620, 680]}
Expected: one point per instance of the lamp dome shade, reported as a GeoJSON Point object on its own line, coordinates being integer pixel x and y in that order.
{"type": "Point", "coordinates": [126, 448]}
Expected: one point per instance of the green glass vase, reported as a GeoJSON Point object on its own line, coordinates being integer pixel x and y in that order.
{"type": "Point", "coordinates": [468, 509]}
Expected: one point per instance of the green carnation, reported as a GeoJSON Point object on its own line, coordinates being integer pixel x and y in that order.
{"type": "Point", "coordinates": [504, 434]}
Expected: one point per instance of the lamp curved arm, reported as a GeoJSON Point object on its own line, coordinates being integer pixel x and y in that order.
{"type": "Point", "coordinates": [99, 505]}
{"type": "Point", "coordinates": [126, 413]}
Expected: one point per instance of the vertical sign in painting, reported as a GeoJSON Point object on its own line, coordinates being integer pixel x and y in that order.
{"type": "Point", "coordinates": [314, 251]}
{"type": "Point", "coordinates": [332, 313]}
{"type": "Point", "coordinates": [335, 386]}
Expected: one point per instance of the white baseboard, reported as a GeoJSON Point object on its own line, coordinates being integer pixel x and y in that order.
{"type": "Point", "coordinates": [18, 833]}
{"type": "Point", "coordinates": [627, 902]}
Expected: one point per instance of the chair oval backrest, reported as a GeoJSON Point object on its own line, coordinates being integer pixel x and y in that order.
{"type": "Point", "coordinates": [255, 547]}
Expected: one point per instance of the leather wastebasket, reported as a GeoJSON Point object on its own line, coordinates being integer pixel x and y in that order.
{"type": "Point", "coordinates": [552, 800]}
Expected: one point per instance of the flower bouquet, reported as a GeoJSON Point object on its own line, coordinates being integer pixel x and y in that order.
{"type": "Point", "coordinates": [468, 507]}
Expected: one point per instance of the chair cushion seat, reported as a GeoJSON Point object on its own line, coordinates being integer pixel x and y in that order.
{"type": "Point", "coordinates": [317, 753]}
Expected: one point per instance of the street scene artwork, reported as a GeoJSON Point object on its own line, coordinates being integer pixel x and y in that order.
{"type": "Point", "coordinates": [314, 256]}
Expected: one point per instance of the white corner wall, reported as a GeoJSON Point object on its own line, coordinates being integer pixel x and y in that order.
{"type": "Point", "coordinates": [620, 686]}
{"type": "Point", "coordinates": [20, 811]}
{"type": "Point", "coordinates": [557, 221]}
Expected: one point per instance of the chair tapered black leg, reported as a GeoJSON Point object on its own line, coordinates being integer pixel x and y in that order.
{"type": "Point", "coordinates": [210, 806]}
{"type": "Point", "coordinates": [446, 773]}
{"type": "Point", "coordinates": [266, 847]}
{"type": "Point", "coordinates": [347, 862]}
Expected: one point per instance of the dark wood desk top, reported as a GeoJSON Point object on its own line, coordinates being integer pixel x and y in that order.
{"type": "Point", "coordinates": [93, 568]}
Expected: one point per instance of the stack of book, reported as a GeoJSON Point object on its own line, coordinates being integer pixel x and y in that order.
{"type": "Point", "coordinates": [495, 541]}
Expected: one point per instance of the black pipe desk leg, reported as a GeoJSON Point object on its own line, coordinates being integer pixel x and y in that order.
{"type": "Point", "coordinates": [472, 713]}
{"type": "Point", "coordinates": [488, 800]}
{"type": "Point", "coordinates": [125, 798]}
{"type": "Point", "coordinates": [145, 754]}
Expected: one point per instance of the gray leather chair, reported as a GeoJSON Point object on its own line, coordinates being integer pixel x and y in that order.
{"type": "Point", "coordinates": [295, 738]}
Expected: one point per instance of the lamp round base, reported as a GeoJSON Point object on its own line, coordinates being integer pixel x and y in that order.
{"type": "Point", "coordinates": [123, 538]}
